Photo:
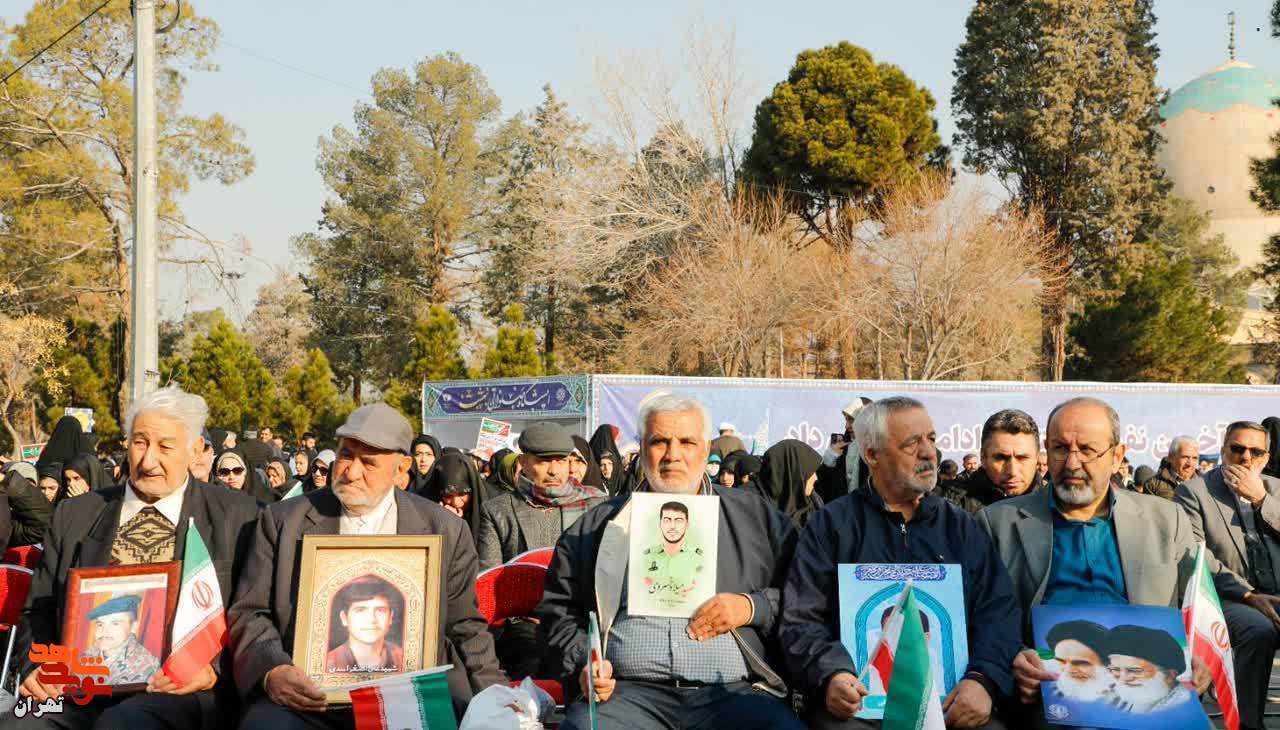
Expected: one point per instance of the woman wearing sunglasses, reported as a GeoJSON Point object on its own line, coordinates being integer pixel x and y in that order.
{"type": "Point", "coordinates": [318, 478]}
{"type": "Point", "coordinates": [232, 471]}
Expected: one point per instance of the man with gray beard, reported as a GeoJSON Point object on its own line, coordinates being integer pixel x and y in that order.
{"type": "Point", "coordinates": [708, 671]}
{"type": "Point", "coordinates": [897, 518]}
{"type": "Point", "coordinates": [1083, 542]}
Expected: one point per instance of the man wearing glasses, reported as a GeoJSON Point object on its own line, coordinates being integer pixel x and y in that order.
{"type": "Point", "coordinates": [1080, 541]}
{"type": "Point", "coordinates": [1236, 511]}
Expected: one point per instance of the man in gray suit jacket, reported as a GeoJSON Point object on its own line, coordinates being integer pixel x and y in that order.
{"type": "Point", "coordinates": [1235, 510]}
{"type": "Point", "coordinates": [372, 453]}
{"type": "Point", "coordinates": [1081, 541]}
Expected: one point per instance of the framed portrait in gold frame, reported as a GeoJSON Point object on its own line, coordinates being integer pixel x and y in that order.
{"type": "Point", "coordinates": [368, 607]}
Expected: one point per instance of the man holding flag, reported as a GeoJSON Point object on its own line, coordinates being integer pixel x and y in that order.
{"type": "Point", "coordinates": [898, 519]}
{"type": "Point", "coordinates": [1235, 510]}
{"type": "Point", "coordinates": [161, 514]}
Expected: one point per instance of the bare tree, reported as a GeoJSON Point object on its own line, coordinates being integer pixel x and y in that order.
{"type": "Point", "coordinates": [943, 287]}
{"type": "Point", "coordinates": [27, 347]}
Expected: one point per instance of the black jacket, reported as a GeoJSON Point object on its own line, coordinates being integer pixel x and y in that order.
{"type": "Point", "coordinates": [979, 491]}
{"type": "Point", "coordinates": [755, 546]}
{"type": "Point", "coordinates": [859, 529]}
{"type": "Point", "coordinates": [81, 535]}
{"type": "Point", "coordinates": [29, 511]}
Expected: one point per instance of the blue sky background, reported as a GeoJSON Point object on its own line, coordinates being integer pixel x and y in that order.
{"type": "Point", "coordinates": [522, 45]}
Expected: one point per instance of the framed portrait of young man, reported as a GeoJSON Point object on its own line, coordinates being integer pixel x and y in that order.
{"type": "Point", "coordinates": [368, 607]}
{"type": "Point", "coordinates": [122, 615]}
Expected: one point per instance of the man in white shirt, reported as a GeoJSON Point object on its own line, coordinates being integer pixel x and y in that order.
{"type": "Point", "coordinates": [373, 453]}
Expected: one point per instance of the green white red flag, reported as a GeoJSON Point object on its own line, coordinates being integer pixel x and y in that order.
{"type": "Point", "coordinates": [912, 701]}
{"type": "Point", "coordinates": [410, 701]}
{"type": "Point", "coordinates": [1207, 637]}
{"type": "Point", "coordinates": [199, 623]}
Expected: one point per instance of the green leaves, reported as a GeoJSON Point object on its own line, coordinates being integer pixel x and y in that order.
{"type": "Point", "coordinates": [513, 352]}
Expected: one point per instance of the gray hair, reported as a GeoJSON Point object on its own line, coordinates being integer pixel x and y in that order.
{"type": "Point", "coordinates": [1244, 426]}
{"type": "Point", "coordinates": [871, 426]}
{"type": "Point", "coordinates": [664, 402]}
{"type": "Point", "coordinates": [1180, 441]}
{"type": "Point", "coordinates": [1113, 418]}
{"type": "Point", "coordinates": [1010, 420]}
{"type": "Point", "coordinates": [188, 409]}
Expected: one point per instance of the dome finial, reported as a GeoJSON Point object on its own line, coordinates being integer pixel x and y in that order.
{"type": "Point", "coordinates": [1231, 34]}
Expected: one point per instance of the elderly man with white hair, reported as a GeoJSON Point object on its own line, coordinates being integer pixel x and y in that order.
{"type": "Point", "coordinates": [708, 671]}
{"type": "Point", "coordinates": [898, 518]}
{"type": "Point", "coordinates": [144, 521]}
{"type": "Point", "coordinates": [1179, 466]}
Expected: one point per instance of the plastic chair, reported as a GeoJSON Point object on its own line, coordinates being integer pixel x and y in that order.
{"type": "Point", "coordinates": [27, 556]}
{"type": "Point", "coordinates": [15, 584]}
{"type": "Point", "coordinates": [512, 590]}
{"type": "Point", "coordinates": [541, 556]}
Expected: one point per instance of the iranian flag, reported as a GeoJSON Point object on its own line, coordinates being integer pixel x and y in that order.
{"type": "Point", "coordinates": [410, 701]}
{"type": "Point", "coordinates": [199, 623]}
{"type": "Point", "coordinates": [1207, 637]}
{"type": "Point", "coordinates": [912, 700]}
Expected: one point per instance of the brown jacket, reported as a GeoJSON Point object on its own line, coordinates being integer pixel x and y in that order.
{"type": "Point", "coordinates": [1163, 483]}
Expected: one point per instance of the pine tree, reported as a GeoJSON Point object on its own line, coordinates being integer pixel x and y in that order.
{"type": "Point", "coordinates": [436, 355]}
{"type": "Point", "coordinates": [309, 397]}
{"type": "Point", "coordinates": [90, 379]}
{"type": "Point", "coordinates": [234, 382]}
{"type": "Point", "coordinates": [1058, 99]}
{"type": "Point", "coordinates": [513, 353]}
{"type": "Point", "coordinates": [1161, 328]}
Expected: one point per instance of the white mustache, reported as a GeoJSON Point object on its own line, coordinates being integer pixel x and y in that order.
{"type": "Point", "coordinates": [924, 468]}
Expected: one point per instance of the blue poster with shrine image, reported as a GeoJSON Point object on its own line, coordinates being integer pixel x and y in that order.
{"type": "Point", "coordinates": [868, 593]}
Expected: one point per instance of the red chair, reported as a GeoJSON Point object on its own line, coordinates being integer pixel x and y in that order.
{"type": "Point", "coordinates": [541, 556]}
{"type": "Point", "coordinates": [514, 590]}
{"type": "Point", "coordinates": [27, 556]}
{"type": "Point", "coordinates": [15, 584]}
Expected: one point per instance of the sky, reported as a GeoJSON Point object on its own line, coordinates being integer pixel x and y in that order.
{"type": "Point", "coordinates": [292, 70]}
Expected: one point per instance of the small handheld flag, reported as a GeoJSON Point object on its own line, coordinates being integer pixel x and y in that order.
{"type": "Point", "coordinates": [595, 656]}
{"type": "Point", "coordinates": [410, 701]}
{"type": "Point", "coordinates": [1207, 637]}
{"type": "Point", "coordinates": [912, 701]}
{"type": "Point", "coordinates": [199, 623]}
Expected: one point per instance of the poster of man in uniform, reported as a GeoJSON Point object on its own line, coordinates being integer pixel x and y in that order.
{"type": "Point", "coordinates": [868, 593]}
{"type": "Point", "coordinates": [1118, 667]}
{"type": "Point", "coordinates": [672, 566]}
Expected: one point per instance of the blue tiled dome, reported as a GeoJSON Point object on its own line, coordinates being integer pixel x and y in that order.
{"type": "Point", "coordinates": [1222, 88]}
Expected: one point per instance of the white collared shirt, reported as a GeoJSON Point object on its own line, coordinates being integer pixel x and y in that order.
{"type": "Point", "coordinates": [381, 520]}
{"type": "Point", "coordinates": [170, 506]}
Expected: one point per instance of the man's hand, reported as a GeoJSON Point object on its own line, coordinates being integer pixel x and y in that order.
{"type": "Point", "coordinates": [1244, 483]}
{"type": "Point", "coordinates": [968, 706]}
{"type": "Point", "coordinates": [288, 686]}
{"type": "Point", "coordinates": [844, 695]}
{"type": "Point", "coordinates": [1200, 675]}
{"type": "Point", "coordinates": [1266, 605]}
{"type": "Point", "coordinates": [161, 684]}
{"type": "Point", "coordinates": [1028, 673]}
{"type": "Point", "coordinates": [603, 681]}
{"type": "Point", "coordinates": [721, 614]}
{"type": "Point", "coordinates": [32, 687]}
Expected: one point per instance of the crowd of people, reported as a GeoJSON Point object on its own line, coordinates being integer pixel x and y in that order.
{"type": "Point", "coordinates": [1054, 517]}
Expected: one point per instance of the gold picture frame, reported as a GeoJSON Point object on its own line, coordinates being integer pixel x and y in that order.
{"type": "Point", "coordinates": [385, 589]}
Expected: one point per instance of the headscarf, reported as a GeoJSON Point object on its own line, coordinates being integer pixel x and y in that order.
{"type": "Point", "coordinates": [785, 468]}
{"type": "Point", "coordinates": [52, 470]}
{"type": "Point", "coordinates": [604, 443]}
{"type": "Point", "coordinates": [1272, 424]}
{"type": "Point", "coordinates": [64, 444]}
{"type": "Point", "coordinates": [90, 470]}
{"type": "Point", "coordinates": [729, 463]}
{"type": "Point", "coordinates": [456, 474]}
{"type": "Point", "coordinates": [748, 465]}
{"type": "Point", "coordinates": [417, 482]}
{"type": "Point", "coordinates": [218, 436]}
{"type": "Point", "coordinates": [504, 473]}
{"type": "Point", "coordinates": [254, 484]}
{"type": "Point", "coordinates": [283, 489]}
{"type": "Point", "coordinates": [593, 477]}
{"type": "Point", "coordinates": [326, 458]}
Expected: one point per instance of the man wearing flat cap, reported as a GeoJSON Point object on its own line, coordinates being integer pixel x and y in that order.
{"type": "Point", "coordinates": [146, 520]}
{"type": "Point", "coordinates": [115, 625]}
{"type": "Point", "coordinates": [546, 502]}
{"type": "Point", "coordinates": [373, 453]}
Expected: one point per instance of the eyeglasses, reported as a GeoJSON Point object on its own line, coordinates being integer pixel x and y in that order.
{"type": "Point", "coordinates": [228, 471]}
{"type": "Point", "coordinates": [1241, 450]}
{"type": "Point", "coordinates": [1086, 454]}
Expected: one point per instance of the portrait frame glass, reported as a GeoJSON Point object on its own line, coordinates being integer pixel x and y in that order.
{"type": "Point", "coordinates": [409, 566]}
{"type": "Point", "coordinates": [156, 585]}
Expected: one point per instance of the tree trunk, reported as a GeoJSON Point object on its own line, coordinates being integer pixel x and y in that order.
{"type": "Point", "coordinates": [355, 388]}
{"type": "Point", "coordinates": [549, 331]}
{"type": "Point", "coordinates": [1054, 337]}
{"type": "Point", "coordinates": [8, 426]}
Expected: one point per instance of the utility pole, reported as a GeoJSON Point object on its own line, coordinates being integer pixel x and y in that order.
{"type": "Point", "coordinates": [144, 373]}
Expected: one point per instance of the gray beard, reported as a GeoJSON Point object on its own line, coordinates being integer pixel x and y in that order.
{"type": "Point", "coordinates": [657, 485]}
{"type": "Point", "coordinates": [1075, 496]}
{"type": "Point", "coordinates": [1144, 696]}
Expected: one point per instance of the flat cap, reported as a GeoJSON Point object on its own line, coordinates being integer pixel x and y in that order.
{"type": "Point", "coordinates": [378, 425]}
{"type": "Point", "coordinates": [119, 604]}
{"type": "Point", "coordinates": [546, 439]}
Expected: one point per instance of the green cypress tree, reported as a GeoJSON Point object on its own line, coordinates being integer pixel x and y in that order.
{"type": "Point", "coordinates": [436, 354]}
{"type": "Point", "coordinates": [513, 352]}
{"type": "Point", "coordinates": [309, 397]}
{"type": "Point", "coordinates": [224, 369]}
